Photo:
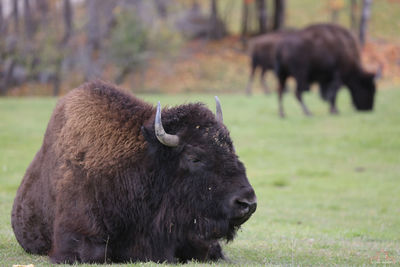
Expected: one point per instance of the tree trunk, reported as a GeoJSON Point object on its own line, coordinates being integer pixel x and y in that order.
{"type": "Point", "coordinates": [262, 16]}
{"type": "Point", "coordinates": [279, 14]}
{"type": "Point", "coordinates": [43, 8]}
{"type": "Point", "coordinates": [161, 6]}
{"type": "Point", "coordinates": [365, 15]}
{"type": "Point", "coordinates": [1, 18]}
{"type": "Point", "coordinates": [57, 77]}
{"type": "Point", "coordinates": [28, 20]}
{"type": "Point", "coordinates": [68, 14]}
{"type": "Point", "coordinates": [15, 15]}
{"type": "Point", "coordinates": [353, 15]}
{"type": "Point", "coordinates": [215, 29]}
{"type": "Point", "coordinates": [92, 68]}
{"type": "Point", "coordinates": [100, 18]}
{"type": "Point", "coordinates": [8, 74]}
{"type": "Point", "coordinates": [245, 19]}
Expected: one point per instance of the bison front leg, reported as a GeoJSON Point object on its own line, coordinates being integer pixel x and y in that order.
{"type": "Point", "coordinates": [69, 247]}
{"type": "Point", "coordinates": [215, 252]}
{"type": "Point", "coordinates": [301, 87]}
{"type": "Point", "coordinates": [263, 82]}
{"type": "Point", "coordinates": [329, 91]}
{"type": "Point", "coordinates": [332, 96]}
{"type": "Point", "coordinates": [200, 250]}
{"type": "Point", "coordinates": [250, 82]}
{"type": "Point", "coordinates": [64, 247]}
{"type": "Point", "coordinates": [281, 89]}
{"type": "Point", "coordinates": [332, 101]}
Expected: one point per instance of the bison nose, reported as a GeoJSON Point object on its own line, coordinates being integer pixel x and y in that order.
{"type": "Point", "coordinates": [243, 207]}
{"type": "Point", "coordinates": [247, 206]}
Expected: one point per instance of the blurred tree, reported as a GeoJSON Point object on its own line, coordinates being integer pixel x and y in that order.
{"type": "Point", "coordinates": [29, 20]}
{"type": "Point", "coordinates": [245, 19]}
{"type": "Point", "coordinates": [128, 44]}
{"type": "Point", "coordinates": [161, 6]}
{"type": "Point", "coordinates": [68, 16]}
{"type": "Point", "coordinates": [15, 15]}
{"type": "Point", "coordinates": [100, 16]}
{"type": "Point", "coordinates": [43, 9]}
{"type": "Point", "coordinates": [2, 22]}
{"type": "Point", "coordinates": [353, 15]}
{"type": "Point", "coordinates": [217, 27]}
{"type": "Point", "coordinates": [365, 15]}
{"type": "Point", "coordinates": [262, 16]}
{"type": "Point", "coordinates": [335, 6]}
{"type": "Point", "coordinates": [279, 14]}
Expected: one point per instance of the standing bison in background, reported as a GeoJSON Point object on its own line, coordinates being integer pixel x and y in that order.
{"type": "Point", "coordinates": [262, 55]}
{"type": "Point", "coordinates": [110, 185]}
{"type": "Point", "coordinates": [329, 55]}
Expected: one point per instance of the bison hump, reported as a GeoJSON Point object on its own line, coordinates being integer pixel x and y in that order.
{"type": "Point", "coordinates": [101, 127]}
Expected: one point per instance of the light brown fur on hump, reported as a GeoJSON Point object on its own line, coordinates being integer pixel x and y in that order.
{"type": "Point", "coordinates": [101, 131]}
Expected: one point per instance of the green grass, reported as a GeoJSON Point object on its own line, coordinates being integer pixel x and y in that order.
{"type": "Point", "coordinates": [328, 187]}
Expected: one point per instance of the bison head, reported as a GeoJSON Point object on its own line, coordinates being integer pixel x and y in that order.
{"type": "Point", "coordinates": [202, 189]}
{"type": "Point", "coordinates": [362, 89]}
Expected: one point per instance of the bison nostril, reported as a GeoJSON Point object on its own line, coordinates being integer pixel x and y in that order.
{"type": "Point", "coordinates": [247, 206]}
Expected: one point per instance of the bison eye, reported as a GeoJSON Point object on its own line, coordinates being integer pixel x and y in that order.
{"type": "Point", "coordinates": [196, 160]}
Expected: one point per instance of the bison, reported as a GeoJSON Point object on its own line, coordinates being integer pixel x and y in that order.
{"type": "Point", "coordinates": [112, 182]}
{"type": "Point", "coordinates": [262, 55]}
{"type": "Point", "coordinates": [329, 55]}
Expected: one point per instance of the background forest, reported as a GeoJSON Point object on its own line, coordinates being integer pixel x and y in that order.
{"type": "Point", "coordinates": [48, 47]}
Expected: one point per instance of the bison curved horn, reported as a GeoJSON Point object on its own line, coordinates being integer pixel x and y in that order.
{"type": "Point", "coordinates": [164, 138]}
{"type": "Point", "coordinates": [218, 114]}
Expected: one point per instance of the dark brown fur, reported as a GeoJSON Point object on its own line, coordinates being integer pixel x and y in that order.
{"type": "Point", "coordinates": [102, 188]}
{"type": "Point", "coordinates": [262, 51]}
{"type": "Point", "coordinates": [329, 55]}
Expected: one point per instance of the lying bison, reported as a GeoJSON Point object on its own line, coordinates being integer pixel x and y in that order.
{"type": "Point", "coordinates": [110, 185]}
{"type": "Point", "coordinates": [262, 55]}
{"type": "Point", "coordinates": [329, 55]}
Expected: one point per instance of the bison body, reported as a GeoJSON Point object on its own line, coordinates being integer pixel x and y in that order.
{"type": "Point", "coordinates": [330, 56]}
{"type": "Point", "coordinates": [109, 184]}
{"type": "Point", "coordinates": [262, 51]}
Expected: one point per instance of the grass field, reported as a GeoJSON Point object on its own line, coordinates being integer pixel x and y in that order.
{"type": "Point", "coordinates": [328, 187]}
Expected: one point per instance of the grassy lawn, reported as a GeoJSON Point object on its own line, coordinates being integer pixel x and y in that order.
{"type": "Point", "coordinates": [328, 187]}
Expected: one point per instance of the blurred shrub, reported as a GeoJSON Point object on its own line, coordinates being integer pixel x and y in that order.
{"type": "Point", "coordinates": [128, 41]}
{"type": "Point", "coordinates": [133, 42]}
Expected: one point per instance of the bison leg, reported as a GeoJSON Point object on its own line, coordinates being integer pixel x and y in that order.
{"type": "Point", "coordinates": [329, 91]}
{"type": "Point", "coordinates": [302, 86]}
{"type": "Point", "coordinates": [334, 88]}
{"type": "Point", "coordinates": [263, 83]}
{"type": "Point", "coordinates": [215, 252]}
{"type": "Point", "coordinates": [30, 229]}
{"type": "Point", "coordinates": [250, 82]}
{"type": "Point", "coordinates": [200, 251]}
{"type": "Point", "coordinates": [281, 89]}
{"type": "Point", "coordinates": [64, 248]}
{"type": "Point", "coordinates": [69, 247]}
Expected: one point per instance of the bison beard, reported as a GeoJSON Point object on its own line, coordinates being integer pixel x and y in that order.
{"type": "Point", "coordinates": [109, 184]}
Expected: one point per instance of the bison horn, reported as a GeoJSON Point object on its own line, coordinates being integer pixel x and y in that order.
{"type": "Point", "coordinates": [218, 114]}
{"type": "Point", "coordinates": [164, 138]}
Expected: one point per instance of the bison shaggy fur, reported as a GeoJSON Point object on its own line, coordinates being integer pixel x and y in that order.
{"type": "Point", "coordinates": [329, 55]}
{"type": "Point", "coordinates": [103, 188]}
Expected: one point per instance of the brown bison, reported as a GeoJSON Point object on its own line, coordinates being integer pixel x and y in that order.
{"type": "Point", "coordinates": [262, 55]}
{"type": "Point", "coordinates": [109, 184]}
{"type": "Point", "coordinates": [329, 55]}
